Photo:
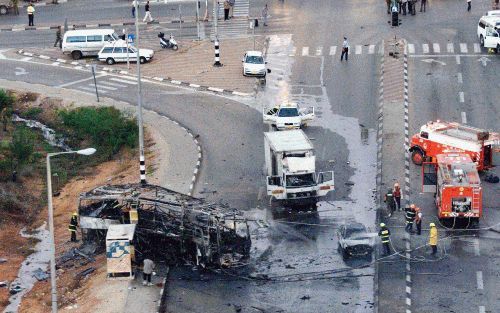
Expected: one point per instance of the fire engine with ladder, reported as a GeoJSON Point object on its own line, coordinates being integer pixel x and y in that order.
{"type": "Point", "coordinates": [439, 137]}
{"type": "Point", "coordinates": [454, 179]}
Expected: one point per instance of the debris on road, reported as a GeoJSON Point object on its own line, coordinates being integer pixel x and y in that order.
{"type": "Point", "coordinates": [40, 274]}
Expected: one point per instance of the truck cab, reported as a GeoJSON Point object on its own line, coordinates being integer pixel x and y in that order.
{"type": "Point", "coordinates": [288, 115]}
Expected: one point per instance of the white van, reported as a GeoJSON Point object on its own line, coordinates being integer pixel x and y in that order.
{"type": "Point", "coordinates": [487, 31]}
{"type": "Point", "coordinates": [85, 42]}
{"type": "Point", "coordinates": [493, 13]}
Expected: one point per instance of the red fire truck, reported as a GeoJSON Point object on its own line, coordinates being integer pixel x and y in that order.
{"type": "Point", "coordinates": [454, 180]}
{"type": "Point", "coordinates": [441, 137]}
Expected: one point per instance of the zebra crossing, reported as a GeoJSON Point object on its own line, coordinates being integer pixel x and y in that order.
{"type": "Point", "coordinates": [107, 85]}
{"type": "Point", "coordinates": [424, 48]}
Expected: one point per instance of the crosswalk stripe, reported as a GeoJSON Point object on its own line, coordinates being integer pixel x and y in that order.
{"type": "Point", "coordinates": [425, 48]}
{"type": "Point", "coordinates": [305, 51]}
{"type": "Point", "coordinates": [436, 48]}
{"type": "Point", "coordinates": [450, 48]}
{"type": "Point", "coordinates": [319, 51]}
{"type": "Point", "coordinates": [411, 48]}
{"type": "Point", "coordinates": [371, 49]}
{"type": "Point", "coordinates": [92, 90]}
{"type": "Point", "coordinates": [333, 50]}
{"type": "Point", "coordinates": [477, 48]}
{"type": "Point", "coordinates": [130, 82]}
{"type": "Point", "coordinates": [55, 64]}
{"type": "Point", "coordinates": [103, 87]}
{"type": "Point", "coordinates": [463, 48]}
{"type": "Point", "coordinates": [294, 50]}
{"type": "Point", "coordinates": [358, 49]}
{"type": "Point", "coordinates": [105, 82]}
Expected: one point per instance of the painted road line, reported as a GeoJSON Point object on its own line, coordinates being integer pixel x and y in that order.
{"type": "Point", "coordinates": [461, 96]}
{"type": "Point", "coordinates": [333, 50]}
{"type": "Point", "coordinates": [92, 90]}
{"type": "Point", "coordinates": [294, 51]}
{"type": "Point", "coordinates": [359, 49]}
{"type": "Point", "coordinates": [464, 120]}
{"type": "Point", "coordinates": [79, 81]}
{"type": "Point", "coordinates": [103, 87]}
{"type": "Point", "coordinates": [26, 58]}
{"type": "Point", "coordinates": [436, 48]}
{"type": "Point", "coordinates": [460, 78]}
{"type": "Point", "coordinates": [261, 192]}
{"type": "Point", "coordinates": [450, 48]}
{"type": "Point", "coordinates": [479, 278]}
{"type": "Point", "coordinates": [477, 252]}
{"type": "Point", "coordinates": [463, 48]}
{"type": "Point", "coordinates": [319, 51]}
{"type": "Point", "coordinates": [425, 48]}
{"type": "Point", "coordinates": [123, 81]}
{"type": "Point", "coordinates": [371, 49]}
{"type": "Point", "coordinates": [55, 64]}
{"type": "Point", "coordinates": [411, 48]}
{"type": "Point", "coordinates": [305, 51]}
{"type": "Point", "coordinates": [457, 58]}
{"type": "Point", "coordinates": [105, 82]}
{"type": "Point", "coordinates": [482, 309]}
{"type": "Point", "coordinates": [477, 48]}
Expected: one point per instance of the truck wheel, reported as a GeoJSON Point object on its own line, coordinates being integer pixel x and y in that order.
{"type": "Point", "coordinates": [481, 40]}
{"type": "Point", "coordinates": [76, 55]}
{"type": "Point", "coordinates": [417, 157]}
{"type": "Point", "coordinates": [3, 10]}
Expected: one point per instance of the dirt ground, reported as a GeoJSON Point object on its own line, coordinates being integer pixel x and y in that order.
{"type": "Point", "coordinates": [90, 292]}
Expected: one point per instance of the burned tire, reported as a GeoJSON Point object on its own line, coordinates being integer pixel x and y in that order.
{"type": "Point", "coordinates": [76, 55]}
{"type": "Point", "coordinates": [417, 157]}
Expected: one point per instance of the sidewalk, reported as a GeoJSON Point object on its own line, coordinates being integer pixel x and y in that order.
{"type": "Point", "coordinates": [191, 65]}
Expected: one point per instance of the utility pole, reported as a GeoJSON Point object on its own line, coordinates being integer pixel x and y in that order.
{"type": "Point", "coordinates": [216, 18]}
{"type": "Point", "coordinates": [142, 163]}
{"type": "Point", "coordinates": [198, 18]}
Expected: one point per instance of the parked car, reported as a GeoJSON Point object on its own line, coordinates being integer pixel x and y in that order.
{"type": "Point", "coordinates": [112, 53]}
{"type": "Point", "coordinates": [87, 42]}
{"type": "Point", "coordinates": [5, 6]}
{"type": "Point", "coordinates": [254, 64]}
{"type": "Point", "coordinates": [354, 241]}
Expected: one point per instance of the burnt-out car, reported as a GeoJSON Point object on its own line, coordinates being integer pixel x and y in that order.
{"type": "Point", "coordinates": [354, 241]}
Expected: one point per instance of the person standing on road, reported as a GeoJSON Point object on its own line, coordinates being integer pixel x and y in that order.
{"type": "Point", "coordinates": [31, 14]}
{"type": "Point", "coordinates": [418, 220]}
{"type": "Point", "coordinates": [147, 271]}
{"type": "Point", "coordinates": [384, 234]}
{"type": "Point", "coordinates": [403, 5]}
{"type": "Point", "coordinates": [58, 37]}
{"type": "Point", "coordinates": [388, 2]}
{"type": "Point", "coordinates": [396, 193]}
{"type": "Point", "coordinates": [148, 13]}
{"type": "Point", "coordinates": [410, 217]}
{"type": "Point", "coordinates": [345, 50]}
{"type": "Point", "coordinates": [73, 224]}
{"type": "Point", "coordinates": [433, 238]}
{"type": "Point", "coordinates": [133, 8]}
{"type": "Point", "coordinates": [469, 5]}
{"type": "Point", "coordinates": [15, 6]}
{"type": "Point", "coordinates": [389, 200]}
{"type": "Point", "coordinates": [264, 14]}
{"type": "Point", "coordinates": [422, 4]}
{"type": "Point", "coordinates": [231, 8]}
{"type": "Point", "coordinates": [227, 7]}
{"type": "Point", "coordinates": [413, 7]}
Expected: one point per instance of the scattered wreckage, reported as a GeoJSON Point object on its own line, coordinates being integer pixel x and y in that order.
{"type": "Point", "coordinates": [168, 225]}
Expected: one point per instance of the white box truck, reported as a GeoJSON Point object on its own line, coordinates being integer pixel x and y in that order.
{"type": "Point", "coordinates": [291, 168]}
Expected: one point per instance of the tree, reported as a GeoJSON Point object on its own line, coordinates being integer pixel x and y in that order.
{"type": "Point", "coordinates": [21, 146]}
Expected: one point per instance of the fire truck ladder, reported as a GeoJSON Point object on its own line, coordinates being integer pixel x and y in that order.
{"type": "Point", "coordinates": [476, 198]}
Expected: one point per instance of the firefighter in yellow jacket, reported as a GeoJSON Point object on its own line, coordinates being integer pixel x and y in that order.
{"type": "Point", "coordinates": [73, 224]}
{"type": "Point", "coordinates": [433, 238]}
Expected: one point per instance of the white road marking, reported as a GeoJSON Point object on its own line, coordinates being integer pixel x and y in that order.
{"type": "Point", "coordinates": [92, 90]}
{"type": "Point", "coordinates": [26, 58]}
{"type": "Point", "coordinates": [479, 276]}
{"type": "Point", "coordinates": [411, 48]}
{"type": "Point", "coordinates": [371, 49]}
{"type": "Point", "coordinates": [319, 51]}
{"type": "Point", "coordinates": [333, 50]}
{"type": "Point", "coordinates": [55, 64]}
{"type": "Point", "coordinates": [461, 95]}
{"type": "Point", "coordinates": [464, 121]}
{"type": "Point", "coordinates": [79, 81]}
{"type": "Point", "coordinates": [261, 192]}
{"type": "Point", "coordinates": [294, 50]}
{"type": "Point", "coordinates": [425, 48]}
{"type": "Point", "coordinates": [103, 87]}
{"type": "Point", "coordinates": [305, 51]}
{"type": "Point", "coordinates": [482, 309]}
{"type": "Point", "coordinates": [436, 48]}
{"type": "Point", "coordinates": [450, 48]}
{"type": "Point", "coordinates": [123, 81]}
{"type": "Point", "coordinates": [359, 49]}
{"type": "Point", "coordinates": [463, 48]}
{"type": "Point", "coordinates": [477, 48]}
{"type": "Point", "coordinates": [459, 78]}
{"type": "Point", "coordinates": [477, 252]}
{"type": "Point", "coordinates": [457, 58]}
{"type": "Point", "coordinates": [105, 82]}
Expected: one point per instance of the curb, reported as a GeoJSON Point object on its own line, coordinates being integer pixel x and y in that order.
{"type": "Point", "coordinates": [163, 295]}
{"type": "Point", "coordinates": [46, 3]}
{"type": "Point", "coordinates": [80, 65]}
{"type": "Point", "coordinates": [81, 26]}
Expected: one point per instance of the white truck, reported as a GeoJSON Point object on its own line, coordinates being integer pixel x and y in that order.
{"type": "Point", "coordinates": [288, 115]}
{"type": "Point", "coordinates": [291, 168]}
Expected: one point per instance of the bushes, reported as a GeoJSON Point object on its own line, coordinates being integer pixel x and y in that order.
{"type": "Point", "coordinates": [6, 103]}
{"type": "Point", "coordinates": [106, 128]}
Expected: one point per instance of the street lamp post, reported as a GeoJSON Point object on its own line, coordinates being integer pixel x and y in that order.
{"type": "Point", "coordinates": [53, 284]}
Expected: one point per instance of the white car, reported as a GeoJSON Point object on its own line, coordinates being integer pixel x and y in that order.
{"type": "Point", "coordinates": [288, 115]}
{"type": "Point", "coordinates": [113, 53]}
{"type": "Point", "coordinates": [254, 64]}
{"type": "Point", "coordinates": [488, 30]}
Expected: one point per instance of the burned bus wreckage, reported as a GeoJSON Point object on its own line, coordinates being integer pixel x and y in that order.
{"type": "Point", "coordinates": [169, 225]}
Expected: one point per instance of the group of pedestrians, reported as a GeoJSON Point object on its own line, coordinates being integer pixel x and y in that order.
{"type": "Point", "coordinates": [413, 215]}
{"type": "Point", "coordinates": [405, 6]}
{"type": "Point", "coordinates": [228, 9]}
